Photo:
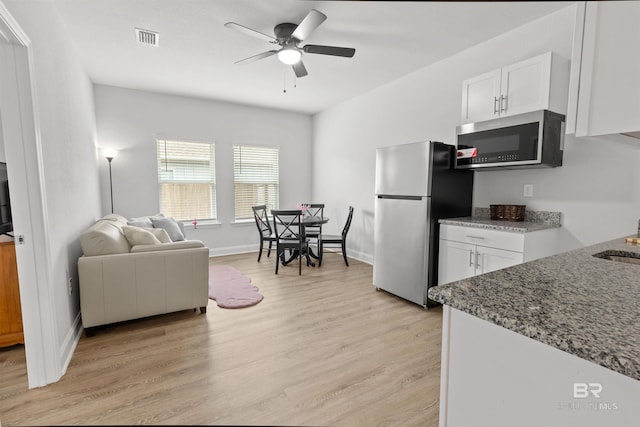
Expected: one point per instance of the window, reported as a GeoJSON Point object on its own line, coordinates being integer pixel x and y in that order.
{"type": "Point", "coordinates": [256, 179]}
{"type": "Point", "coordinates": [187, 179]}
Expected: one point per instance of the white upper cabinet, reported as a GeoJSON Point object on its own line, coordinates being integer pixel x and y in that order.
{"type": "Point", "coordinates": [481, 97]}
{"type": "Point", "coordinates": [538, 83]}
{"type": "Point", "coordinates": [605, 79]}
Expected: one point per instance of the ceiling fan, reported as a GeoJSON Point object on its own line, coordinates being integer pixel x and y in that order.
{"type": "Point", "coordinates": [288, 36]}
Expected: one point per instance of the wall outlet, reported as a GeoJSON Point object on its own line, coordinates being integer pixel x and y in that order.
{"type": "Point", "coordinates": [527, 190]}
{"type": "Point", "coordinates": [69, 283]}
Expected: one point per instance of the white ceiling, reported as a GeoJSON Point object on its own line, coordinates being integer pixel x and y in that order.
{"type": "Point", "coordinates": [197, 52]}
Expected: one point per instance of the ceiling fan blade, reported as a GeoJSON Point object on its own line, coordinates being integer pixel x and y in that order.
{"type": "Point", "coordinates": [308, 24]}
{"type": "Point", "coordinates": [299, 69]}
{"type": "Point", "coordinates": [248, 31]}
{"type": "Point", "coordinates": [347, 52]}
{"type": "Point", "coordinates": [256, 57]}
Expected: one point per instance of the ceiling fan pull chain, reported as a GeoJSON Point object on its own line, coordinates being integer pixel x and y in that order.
{"type": "Point", "coordinates": [284, 81]}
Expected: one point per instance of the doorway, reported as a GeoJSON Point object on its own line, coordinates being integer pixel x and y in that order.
{"type": "Point", "coordinates": [19, 126]}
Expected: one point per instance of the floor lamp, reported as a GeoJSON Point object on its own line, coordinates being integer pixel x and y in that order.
{"type": "Point", "coordinates": [110, 155]}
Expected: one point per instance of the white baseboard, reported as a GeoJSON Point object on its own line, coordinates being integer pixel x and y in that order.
{"type": "Point", "coordinates": [360, 256]}
{"type": "Point", "coordinates": [352, 254]}
{"type": "Point", "coordinates": [69, 345]}
{"type": "Point", "coordinates": [233, 250]}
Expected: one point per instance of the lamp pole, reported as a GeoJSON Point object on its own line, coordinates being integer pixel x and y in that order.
{"type": "Point", "coordinates": [110, 182]}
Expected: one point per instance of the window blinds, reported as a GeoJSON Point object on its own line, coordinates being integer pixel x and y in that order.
{"type": "Point", "coordinates": [186, 178]}
{"type": "Point", "coordinates": [256, 179]}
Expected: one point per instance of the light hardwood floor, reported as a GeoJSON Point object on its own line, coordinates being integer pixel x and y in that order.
{"type": "Point", "coordinates": [323, 348]}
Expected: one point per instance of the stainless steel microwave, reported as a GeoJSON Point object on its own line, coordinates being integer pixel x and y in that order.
{"type": "Point", "coordinates": [528, 140]}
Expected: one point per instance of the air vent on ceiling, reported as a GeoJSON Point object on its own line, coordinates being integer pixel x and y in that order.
{"type": "Point", "coordinates": [146, 37]}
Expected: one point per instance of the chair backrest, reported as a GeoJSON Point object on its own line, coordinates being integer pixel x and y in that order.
{"type": "Point", "coordinates": [262, 220]}
{"type": "Point", "coordinates": [316, 209]}
{"type": "Point", "coordinates": [287, 224]}
{"type": "Point", "coordinates": [345, 230]}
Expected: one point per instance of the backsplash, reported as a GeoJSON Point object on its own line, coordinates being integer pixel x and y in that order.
{"type": "Point", "coordinates": [531, 216]}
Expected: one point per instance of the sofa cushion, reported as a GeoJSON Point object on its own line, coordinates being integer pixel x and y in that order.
{"type": "Point", "coordinates": [115, 218]}
{"type": "Point", "coordinates": [139, 236]}
{"type": "Point", "coordinates": [160, 233]}
{"type": "Point", "coordinates": [141, 224]}
{"type": "Point", "coordinates": [105, 237]}
{"type": "Point", "coordinates": [171, 226]}
{"type": "Point", "coordinates": [183, 244]}
{"type": "Point", "coordinates": [143, 221]}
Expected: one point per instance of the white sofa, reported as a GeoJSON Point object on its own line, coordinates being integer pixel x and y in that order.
{"type": "Point", "coordinates": [121, 282]}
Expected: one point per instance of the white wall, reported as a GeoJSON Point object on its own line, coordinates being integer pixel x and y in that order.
{"type": "Point", "coordinates": [596, 189]}
{"type": "Point", "coordinates": [3, 157]}
{"type": "Point", "coordinates": [129, 120]}
{"type": "Point", "coordinates": [65, 109]}
{"type": "Point", "coordinates": [426, 105]}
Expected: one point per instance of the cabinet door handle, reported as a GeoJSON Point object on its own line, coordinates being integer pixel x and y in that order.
{"type": "Point", "coordinates": [495, 105]}
{"type": "Point", "coordinates": [470, 258]}
{"type": "Point", "coordinates": [477, 265]}
{"type": "Point", "coordinates": [503, 103]}
{"type": "Point", "coordinates": [474, 237]}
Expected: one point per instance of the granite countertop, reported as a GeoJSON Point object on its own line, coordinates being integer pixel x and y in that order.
{"type": "Point", "coordinates": [580, 304]}
{"type": "Point", "coordinates": [534, 221]}
{"type": "Point", "coordinates": [513, 226]}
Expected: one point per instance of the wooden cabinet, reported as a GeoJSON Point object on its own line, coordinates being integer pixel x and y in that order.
{"type": "Point", "coordinates": [466, 251]}
{"type": "Point", "coordinates": [538, 83]}
{"type": "Point", "coordinates": [605, 89]}
{"type": "Point", "coordinates": [10, 312]}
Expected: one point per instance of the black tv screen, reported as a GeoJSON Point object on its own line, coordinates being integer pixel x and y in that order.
{"type": "Point", "coordinates": [5, 205]}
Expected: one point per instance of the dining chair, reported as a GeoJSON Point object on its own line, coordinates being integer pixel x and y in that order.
{"type": "Point", "coordinates": [328, 239]}
{"type": "Point", "coordinates": [264, 228]}
{"type": "Point", "coordinates": [315, 209]}
{"type": "Point", "coordinates": [289, 235]}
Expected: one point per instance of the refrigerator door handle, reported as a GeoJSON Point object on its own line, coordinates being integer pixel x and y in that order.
{"type": "Point", "coordinates": [392, 196]}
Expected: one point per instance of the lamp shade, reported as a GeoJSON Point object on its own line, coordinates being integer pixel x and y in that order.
{"type": "Point", "coordinates": [110, 153]}
{"type": "Point", "coordinates": [289, 55]}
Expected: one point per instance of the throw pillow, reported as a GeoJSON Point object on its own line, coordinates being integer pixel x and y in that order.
{"type": "Point", "coordinates": [171, 226]}
{"type": "Point", "coordinates": [160, 233]}
{"type": "Point", "coordinates": [141, 221]}
{"type": "Point", "coordinates": [139, 236]}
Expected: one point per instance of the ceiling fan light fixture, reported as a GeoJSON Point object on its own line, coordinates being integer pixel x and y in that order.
{"type": "Point", "coordinates": [287, 37]}
{"type": "Point", "coordinates": [289, 55]}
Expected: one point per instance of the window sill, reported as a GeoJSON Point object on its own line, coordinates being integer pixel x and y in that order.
{"type": "Point", "coordinates": [201, 224]}
{"type": "Point", "coordinates": [242, 222]}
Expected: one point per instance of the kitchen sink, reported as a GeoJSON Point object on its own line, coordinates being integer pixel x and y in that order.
{"type": "Point", "coordinates": [620, 256]}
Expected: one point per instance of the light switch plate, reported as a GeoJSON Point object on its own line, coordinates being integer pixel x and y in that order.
{"type": "Point", "coordinates": [527, 190]}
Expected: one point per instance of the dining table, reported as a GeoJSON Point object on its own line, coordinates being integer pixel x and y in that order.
{"type": "Point", "coordinates": [307, 220]}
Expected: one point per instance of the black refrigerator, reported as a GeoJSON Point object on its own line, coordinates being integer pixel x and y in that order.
{"type": "Point", "coordinates": [415, 186]}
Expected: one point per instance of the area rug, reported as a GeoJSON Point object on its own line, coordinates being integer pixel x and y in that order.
{"type": "Point", "coordinates": [230, 288]}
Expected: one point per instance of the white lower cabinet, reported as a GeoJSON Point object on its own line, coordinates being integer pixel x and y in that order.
{"type": "Point", "coordinates": [466, 251]}
{"type": "Point", "coordinates": [458, 260]}
{"type": "Point", "coordinates": [492, 376]}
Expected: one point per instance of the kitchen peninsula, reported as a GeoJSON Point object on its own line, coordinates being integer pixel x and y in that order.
{"type": "Point", "coordinates": [553, 342]}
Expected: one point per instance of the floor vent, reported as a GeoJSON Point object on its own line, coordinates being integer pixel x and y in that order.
{"type": "Point", "coordinates": [147, 37]}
